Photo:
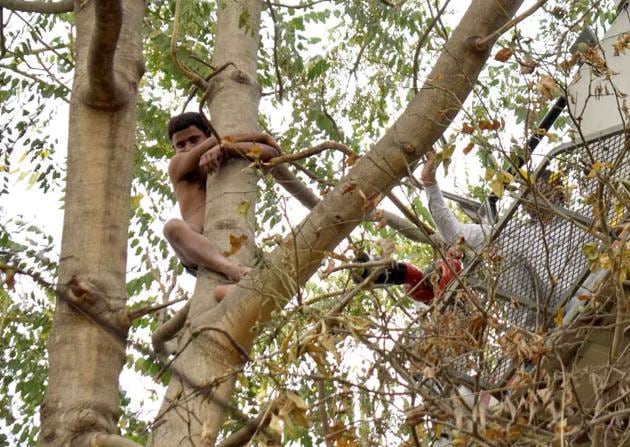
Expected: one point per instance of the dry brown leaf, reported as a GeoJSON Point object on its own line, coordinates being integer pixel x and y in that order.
{"type": "Point", "coordinates": [559, 319]}
{"type": "Point", "coordinates": [547, 87]}
{"type": "Point", "coordinates": [528, 65]}
{"type": "Point", "coordinates": [469, 147]}
{"type": "Point", "coordinates": [467, 129]}
{"type": "Point", "coordinates": [503, 54]}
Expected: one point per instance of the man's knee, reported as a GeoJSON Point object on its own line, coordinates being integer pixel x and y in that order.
{"type": "Point", "coordinates": [173, 229]}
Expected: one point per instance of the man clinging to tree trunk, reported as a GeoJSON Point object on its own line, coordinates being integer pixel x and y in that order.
{"type": "Point", "coordinates": [198, 154]}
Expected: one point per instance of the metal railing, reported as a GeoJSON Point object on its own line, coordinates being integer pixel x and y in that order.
{"type": "Point", "coordinates": [537, 262]}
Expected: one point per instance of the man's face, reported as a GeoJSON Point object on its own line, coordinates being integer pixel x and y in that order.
{"type": "Point", "coordinates": [186, 139]}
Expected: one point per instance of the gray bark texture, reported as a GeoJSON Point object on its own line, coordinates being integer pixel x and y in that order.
{"type": "Point", "coordinates": [87, 344]}
{"type": "Point", "coordinates": [195, 403]}
{"type": "Point", "coordinates": [217, 337]}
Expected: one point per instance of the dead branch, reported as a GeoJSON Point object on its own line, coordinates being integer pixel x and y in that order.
{"type": "Point", "coordinates": [39, 7]}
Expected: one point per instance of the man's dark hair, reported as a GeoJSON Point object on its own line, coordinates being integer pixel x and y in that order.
{"type": "Point", "coordinates": [184, 121]}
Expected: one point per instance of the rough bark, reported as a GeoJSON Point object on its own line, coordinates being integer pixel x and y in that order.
{"type": "Point", "coordinates": [217, 353]}
{"type": "Point", "coordinates": [194, 407]}
{"type": "Point", "coordinates": [87, 344]}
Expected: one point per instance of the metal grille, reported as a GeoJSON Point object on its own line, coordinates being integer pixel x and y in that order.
{"type": "Point", "coordinates": [539, 262]}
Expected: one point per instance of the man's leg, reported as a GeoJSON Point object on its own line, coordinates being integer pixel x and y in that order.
{"type": "Point", "coordinates": [194, 249]}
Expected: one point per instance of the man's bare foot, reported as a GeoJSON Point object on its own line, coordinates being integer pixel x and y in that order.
{"type": "Point", "coordinates": [236, 272]}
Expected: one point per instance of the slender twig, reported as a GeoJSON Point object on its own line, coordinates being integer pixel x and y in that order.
{"type": "Point", "coordinates": [275, 51]}
{"type": "Point", "coordinates": [137, 313]}
{"type": "Point", "coordinates": [3, 48]}
{"type": "Point", "coordinates": [190, 74]}
{"type": "Point", "coordinates": [326, 145]}
{"type": "Point", "coordinates": [409, 215]}
{"type": "Point", "coordinates": [422, 42]}
{"type": "Point", "coordinates": [483, 42]}
{"type": "Point", "coordinates": [32, 77]}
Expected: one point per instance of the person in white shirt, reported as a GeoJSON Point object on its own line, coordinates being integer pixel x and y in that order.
{"type": "Point", "coordinates": [451, 230]}
{"type": "Point", "coordinates": [540, 251]}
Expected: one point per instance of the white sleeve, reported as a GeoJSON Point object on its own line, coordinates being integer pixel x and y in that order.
{"type": "Point", "coordinates": [449, 227]}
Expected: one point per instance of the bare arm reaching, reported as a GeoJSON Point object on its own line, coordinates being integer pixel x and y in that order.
{"type": "Point", "coordinates": [258, 146]}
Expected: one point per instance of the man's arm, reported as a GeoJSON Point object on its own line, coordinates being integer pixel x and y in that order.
{"type": "Point", "coordinates": [447, 224]}
{"type": "Point", "coordinates": [184, 163]}
{"type": "Point", "coordinates": [252, 146]}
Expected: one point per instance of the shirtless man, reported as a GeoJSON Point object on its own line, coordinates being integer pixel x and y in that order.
{"type": "Point", "coordinates": [198, 154]}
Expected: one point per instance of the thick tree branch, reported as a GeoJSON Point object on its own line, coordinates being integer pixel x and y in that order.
{"type": "Point", "coordinates": [309, 199]}
{"type": "Point", "coordinates": [104, 89]}
{"type": "Point", "coordinates": [109, 440]}
{"type": "Point", "coordinates": [253, 426]}
{"type": "Point", "coordinates": [169, 329]}
{"type": "Point", "coordinates": [410, 137]}
{"type": "Point", "coordinates": [40, 7]}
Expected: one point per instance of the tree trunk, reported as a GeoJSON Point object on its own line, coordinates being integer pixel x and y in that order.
{"type": "Point", "coordinates": [87, 344]}
{"type": "Point", "coordinates": [226, 330]}
{"type": "Point", "coordinates": [194, 407]}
